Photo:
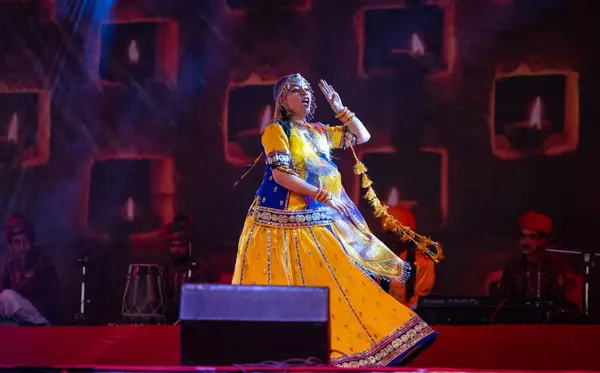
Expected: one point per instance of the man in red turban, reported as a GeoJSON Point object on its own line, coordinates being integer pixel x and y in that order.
{"type": "Point", "coordinates": [29, 286]}
{"type": "Point", "coordinates": [535, 273]}
{"type": "Point", "coordinates": [422, 276]}
{"type": "Point", "coordinates": [182, 267]}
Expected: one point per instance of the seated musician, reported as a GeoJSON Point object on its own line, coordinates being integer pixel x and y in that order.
{"type": "Point", "coordinates": [182, 267]}
{"type": "Point", "coordinates": [29, 285]}
{"type": "Point", "coordinates": [535, 274]}
{"type": "Point", "coordinates": [422, 275]}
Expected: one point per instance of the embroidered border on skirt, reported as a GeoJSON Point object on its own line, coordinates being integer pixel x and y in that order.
{"type": "Point", "coordinates": [271, 217]}
{"type": "Point", "coordinates": [396, 346]}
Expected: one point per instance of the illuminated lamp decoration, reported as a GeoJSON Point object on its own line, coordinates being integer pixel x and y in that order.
{"type": "Point", "coordinates": [247, 111]}
{"type": "Point", "coordinates": [399, 39]}
{"type": "Point", "coordinates": [135, 51]}
{"type": "Point", "coordinates": [534, 112]}
{"type": "Point", "coordinates": [425, 191]}
{"type": "Point", "coordinates": [25, 127]}
{"type": "Point", "coordinates": [132, 193]}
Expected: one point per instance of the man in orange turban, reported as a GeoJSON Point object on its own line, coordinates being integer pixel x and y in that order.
{"type": "Point", "coordinates": [535, 273]}
{"type": "Point", "coordinates": [422, 276]}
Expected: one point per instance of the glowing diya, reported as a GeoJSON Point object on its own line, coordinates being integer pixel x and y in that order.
{"type": "Point", "coordinates": [529, 134]}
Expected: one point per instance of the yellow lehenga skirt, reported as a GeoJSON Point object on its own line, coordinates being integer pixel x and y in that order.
{"type": "Point", "coordinates": [368, 326]}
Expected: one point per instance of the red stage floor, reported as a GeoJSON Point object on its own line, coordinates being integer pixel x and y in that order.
{"type": "Point", "coordinates": [511, 347]}
{"type": "Point", "coordinates": [263, 369]}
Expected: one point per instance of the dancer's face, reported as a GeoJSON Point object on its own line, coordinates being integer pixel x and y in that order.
{"type": "Point", "coordinates": [298, 100]}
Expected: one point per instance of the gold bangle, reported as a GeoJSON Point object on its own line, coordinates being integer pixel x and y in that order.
{"type": "Point", "coordinates": [322, 195]}
{"type": "Point", "coordinates": [346, 113]}
{"type": "Point", "coordinates": [319, 194]}
{"type": "Point", "coordinates": [342, 112]}
{"type": "Point", "coordinates": [344, 117]}
{"type": "Point", "coordinates": [349, 118]}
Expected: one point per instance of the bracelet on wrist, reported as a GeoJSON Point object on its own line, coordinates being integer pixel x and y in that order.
{"type": "Point", "coordinates": [319, 194]}
{"type": "Point", "coordinates": [342, 112]}
{"type": "Point", "coordinates": [345, 115]}
{"type": "Point", "coordinates": [323, 195]}
{"type": "Point", "coordinates": [349, 118]}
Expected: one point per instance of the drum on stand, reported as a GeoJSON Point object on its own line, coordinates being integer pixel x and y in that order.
{"type": "Point", "coordinates": [144, 296]}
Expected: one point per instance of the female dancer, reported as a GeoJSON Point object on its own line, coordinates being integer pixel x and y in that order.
{"type": "Point", "coordinates": [303, 230]}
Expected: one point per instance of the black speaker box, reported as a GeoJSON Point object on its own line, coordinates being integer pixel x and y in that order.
{"type": "Point", "coordinates": [224, 325]}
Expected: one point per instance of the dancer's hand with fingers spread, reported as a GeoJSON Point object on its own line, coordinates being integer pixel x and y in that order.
{"type": "Point", "coordinates": [332, 97]}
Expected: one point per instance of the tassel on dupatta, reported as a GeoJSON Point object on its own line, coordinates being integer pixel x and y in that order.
{"type": "Point", "coordinates": [424, 244]}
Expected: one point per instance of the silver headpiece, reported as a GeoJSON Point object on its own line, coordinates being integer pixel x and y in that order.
{"type": "Point", "coordinates": [281, 89]}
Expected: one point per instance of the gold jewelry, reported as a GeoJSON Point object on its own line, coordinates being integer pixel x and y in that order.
{"type": "Point", "coordinates": [422, 243]}
{"type": "Point", "coordinates": [349, 118]}
{"type": "Point", "coordinates": [322, 195]}
{"type": "Point", "coordinates": [317, 195]}
{"type": "Point", "coordinates": [287, 83]}
{"type": "Point", "coordinates": [345, 115]}
{"type": "Point", "coordinates": [341, 112]}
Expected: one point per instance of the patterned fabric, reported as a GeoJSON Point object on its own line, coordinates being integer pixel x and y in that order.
{"type": "Point", "coordinates": [340, 137]}
{"type": "Point", "coordinates": [281, 161]}
{"type": "Point", "coordinates": [291, 239]}
{"type": "Point", "coordinates": [369, 328]}
{"type": "Point", "coordinates": [411, 335]}
{"type": "Point", "coordinates": [297, 218]}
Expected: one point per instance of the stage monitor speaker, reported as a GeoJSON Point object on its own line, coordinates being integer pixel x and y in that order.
{"type": "Point", "coordinates": [224, 325]}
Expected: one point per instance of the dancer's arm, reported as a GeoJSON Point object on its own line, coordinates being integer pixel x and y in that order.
{"type": "Point", "coordinates": [297, 185]}
{"type": "Point", "coordinates": [279, 159]}
{"type": "Point", "coordinates": [294, 183]}
{"type": "Point", "coordinates": [359, 130]}
{"type": "Point", "coordinates": [354, 125]}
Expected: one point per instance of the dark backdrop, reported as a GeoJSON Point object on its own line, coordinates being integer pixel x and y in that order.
{"type": "Point", "coordinates": [130, 111]}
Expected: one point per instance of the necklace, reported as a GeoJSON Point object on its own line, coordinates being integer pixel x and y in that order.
{"type": "Point", "coordinates": [302, 124]}
{"type": "Point", "coordinates": [311, 136]}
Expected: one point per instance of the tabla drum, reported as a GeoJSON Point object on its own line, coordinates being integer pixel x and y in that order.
{"type": "Point", "coordinates": [144, 296]}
